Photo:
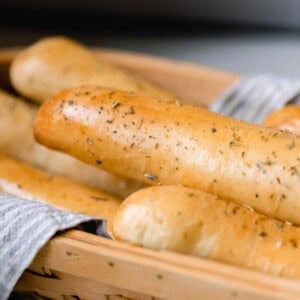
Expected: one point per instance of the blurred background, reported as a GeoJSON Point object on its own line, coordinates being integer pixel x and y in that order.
{"type": "Point", "coordinates": [248, 37]}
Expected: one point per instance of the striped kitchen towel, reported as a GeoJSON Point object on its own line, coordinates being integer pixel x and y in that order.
{"type": "Point", "coordinates": [253, 98]}
{"type": "Point", "coordinates": [25, 227]}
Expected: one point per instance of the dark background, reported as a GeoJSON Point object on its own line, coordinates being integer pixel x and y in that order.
{"type": "Point", "coordinates": [248, 37]}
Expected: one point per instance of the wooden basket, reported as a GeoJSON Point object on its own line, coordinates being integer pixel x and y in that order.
{"type": "Point", "coordinates": [78, 265]}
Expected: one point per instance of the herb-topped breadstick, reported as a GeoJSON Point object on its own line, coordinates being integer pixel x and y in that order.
{"type": "Point", "coordinates": [24, 181]}
{"type": "Point", "coordinates": [16, 124]}
{"type": "Point", "coordinates": [193, 222]}
{"type": "Point", "coordinates": [168, 143]}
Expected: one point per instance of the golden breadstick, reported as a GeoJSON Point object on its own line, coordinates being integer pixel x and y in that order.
{"type": "Point", "coordinates": [193, 222]}
{"type": "Point", "coordinates": [16, 121]}
{"type": "Point", "coordinates": [163, 142]}
{"type": "Point", "coordinates": [53, 64]}
{"type": "Point", "coordinates": [22, 180]}
{"type": "Point", "coordinates": [286, 118]}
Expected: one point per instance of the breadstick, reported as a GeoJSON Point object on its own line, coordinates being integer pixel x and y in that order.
{"type": "Point", "coordinates": [56, 63]}
{"type": "Point", "coordinates": [168, 143]}
{"type": "Point", "coordinates": [16, 122]}
{"type": "Point", "coordinates": [22, 180]}
{"type": "Point", "coordinates": [286, 118]}
{"type": "Point", "coordinates": [193, 222]}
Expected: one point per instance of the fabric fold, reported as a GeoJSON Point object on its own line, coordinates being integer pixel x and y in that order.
{"type": "Point", "coordinates": [25, 227]}
{"type": "Point", "coordinates": [253, 98]}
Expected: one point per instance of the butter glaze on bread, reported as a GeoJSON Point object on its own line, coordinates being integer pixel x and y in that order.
{"type": "Point", "coordinates": [56, 63]}
{"type": "Point", "coordinates": [22, 180]}
{"type": "Point", "coordinates": [286, 118]}
{"type": "Point", "coordinates": [164, 142]}
{"type": "Point", "coordinates": [16, 125]}
{"type": "Point", "coordinates": [193, 222]}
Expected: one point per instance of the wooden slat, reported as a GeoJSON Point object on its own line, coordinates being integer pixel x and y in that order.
{"type": "Point", "coordinates": [159, 274]}
{"type": "Point", "coordinates": [64, 286]}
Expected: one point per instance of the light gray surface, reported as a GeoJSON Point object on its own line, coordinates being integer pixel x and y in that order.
{"type": "Point", "coordinates": [245, 52]}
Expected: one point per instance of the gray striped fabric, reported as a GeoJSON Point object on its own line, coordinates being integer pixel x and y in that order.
{"type": "Point", "coordinates": [251, 99]}
{"type": "Point", "coordinates": [25, 227]}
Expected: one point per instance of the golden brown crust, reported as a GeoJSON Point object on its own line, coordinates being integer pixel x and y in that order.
{"type": "Point", "coordinates": [286, 118]}
{"type": "Point", "coordinates": [193, 222]}
{"type": "Point", "coordinates": [30, 183]}
{"type": "Point", "coordinates": [56, 63]}
{"type": "Point", "coordinates": [16, 122]}
{"type": "Point", "coordinates": [163, 142]}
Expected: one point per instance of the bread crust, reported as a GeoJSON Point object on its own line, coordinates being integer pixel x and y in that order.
{"type": "Point", "coordinates": [193, 222]}
{"type": "Point", "coordinates": [56, 63]}
{"type": "Point", "coordinates": [16, 125]}
{"type": "Point", "coordinates": [166, 143]}
{"type": "Point", "coordinates": [24, 181]}
{"type": "Point", "coordinates": [286, 118]}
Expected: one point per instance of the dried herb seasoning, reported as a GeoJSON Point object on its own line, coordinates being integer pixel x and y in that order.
{"type": "Point", "coordinates": [263, 234]}
{"type": "Point", "coordinates": [131, 110]}
{"type": "Point", "coordinates": [115, 104]}
{"type": "Point", "coordinates": [89, 141]}
{"type": "Point", "coordinates": [98, 198]}
{"type": "Point", "coordinates": [150, 176]}
{"type": "Point", "coordinates": [291, 145]}
{"type": "Point", "coordinates": [235, 209]}
{"type": "Point", "coordinates": [293, 243]}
